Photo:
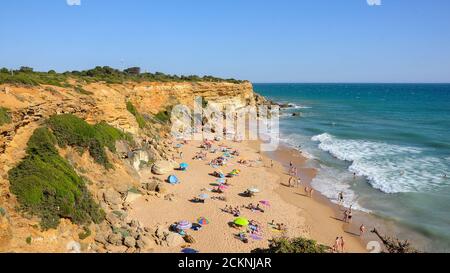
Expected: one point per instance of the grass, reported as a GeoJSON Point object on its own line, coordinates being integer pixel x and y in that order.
{"type": "Point", "coordinates": [5, 117]}
{"type": "Point", "coordinates": [70, 130]}
{"type": "Point", "coordinates": [163, 116]}
{"type": "Point", "coordinates": [86, 233]}
{"type": "Point", "coordinates": [139, 118]}
{"type": "Point", "coordinates": [47, 186]}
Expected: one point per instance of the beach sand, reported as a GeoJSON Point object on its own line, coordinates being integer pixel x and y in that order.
{"type": "Point", "coordinates": [304, 216]}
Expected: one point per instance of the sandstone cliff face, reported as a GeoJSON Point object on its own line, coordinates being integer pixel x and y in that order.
{"type": "Point", "coordinates": [31, 106]}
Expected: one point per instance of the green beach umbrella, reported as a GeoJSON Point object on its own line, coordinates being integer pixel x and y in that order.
{"type": "Point", "coordinates": [241, 221]}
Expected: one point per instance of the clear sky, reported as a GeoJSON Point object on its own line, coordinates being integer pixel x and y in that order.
{"type": "Point", "coordinates": [258, 40]}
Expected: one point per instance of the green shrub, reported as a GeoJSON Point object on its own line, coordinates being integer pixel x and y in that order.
{"type": "Point", "coordinates": [86, 233]}
{"type": "Point", "coordinates": [4, 116]}
{"type": "Point", "coordinates": [47, 186]}
{"type": "Point", "coordinates": [163, 116]}
{"type": "Point", "coordinates": [72, 131]}
{"type": "Point", "coordinates": [28, 240]}
{"type": "Point", "coordinates": [139, 118]}
{"type": "Point", "coordinates": [294, 245]}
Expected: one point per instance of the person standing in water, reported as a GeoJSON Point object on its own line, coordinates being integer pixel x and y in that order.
{"type": "Point", "coordinates": [362, 230]}
{"type": "Point", "coordinates": [341, 198]}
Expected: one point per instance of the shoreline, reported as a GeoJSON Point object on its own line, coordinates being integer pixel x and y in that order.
{"type": "Point", "coordinates": [296, 196]}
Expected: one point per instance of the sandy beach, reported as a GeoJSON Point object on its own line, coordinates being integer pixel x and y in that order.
{"type": "Point", "coordinates": [303, 216]}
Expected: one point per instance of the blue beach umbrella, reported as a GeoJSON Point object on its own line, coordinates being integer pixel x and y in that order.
{"type": "Point", "coordinates": [221, 180]}
{"type": "Point", "coordinates": [183, 166]}
{"type": "Point", "coordinates": [173, 179]}
{"type": "Point", "coordinates": [203, 196]}
{"type": "Point", "coordinates": [189, 250]}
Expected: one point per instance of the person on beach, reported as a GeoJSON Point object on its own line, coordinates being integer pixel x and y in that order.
{"type": "Point", "coordinates": [181, 155]}
{"type": "Point", "coordinates": [336, 245]}
{"type": "Point", "coordinates": [299, 182]}
{"type": "Point", "coordinates": [349, 215]}
{"type": "Point", "coordinates": [345, 219]}
{"type": "Point", "coordinates": [290, 181]}
{"type": "Point", "coordinates": [362, 230]}
{"type": "Point", "coordinates": [341, 198]}
{"type": "Point", "coordinates": [271, 164]}
{"type": "Point", "coordinates": [342, 246]}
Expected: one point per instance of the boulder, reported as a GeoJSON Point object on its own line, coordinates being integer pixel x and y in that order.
{"type": "Point", "coordinates": [129, 241]}
{"type": "Point", "coordinates": [112, 218]}
{"type": "Point", "coordinates": [132, 196]}
{"type": "Point", "coordinates": [156, 187]}
{"type": "Point", "coordinates": [112, 197]}
{"type": "Point", "coordinates": [174, 239]}
{"type": "Point", "coordinates": [100, 238]}
{"type": "Point", "coordinates": [162, 167]}
{"type": "Point", "coordinates": [115, 239]}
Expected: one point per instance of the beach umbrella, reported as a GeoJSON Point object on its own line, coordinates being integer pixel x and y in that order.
{"type": "Point", "coordinates": [221, 180]}
{"type": "Point", "coordinates": [183, 166]}
{"type": "Point", "coordinates": [184, 225]}
{"type": "Point", "coordinates": [173, 179]}
{"type": "Point", "coordinates": [203, 221]}
{"type": "Point", "coordinates": [241, 221]}
{"type": "Point", "coordinates": [253, 190]}
{"type": "Point", "coordinates": [223, 187]}
{"type": "Point", "coordinates": [189, 250]}
{"type": "Point", "coordinates": [265, 203]}
{"type": "Point", "coordinates": [203, 196]}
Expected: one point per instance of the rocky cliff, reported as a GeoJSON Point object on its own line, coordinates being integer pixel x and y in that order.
{"type": "Point", "coordinates": [29, 108]}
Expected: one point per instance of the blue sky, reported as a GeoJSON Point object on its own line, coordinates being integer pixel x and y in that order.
{"type": "Point", "coordinates": [262, 41]}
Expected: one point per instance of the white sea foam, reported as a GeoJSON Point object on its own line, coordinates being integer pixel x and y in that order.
{"type": "Point", "coordinates": [389, 168]}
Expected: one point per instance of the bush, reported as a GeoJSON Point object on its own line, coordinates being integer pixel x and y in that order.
{"type": "Point", "coordinates": [75, 132]}
{"type": "Point", "coordinates": [139, 118]}
{"type": "Point", "coordinates": [163, 116]}
{"type": "Point", "coordinates": [294, 245]}
{"type": "Point", "coordinates": [86, 233]}
{"type": "Point", "coordinates": [47, 186]}
{"type": "Point", "coordinates": [5, 117]}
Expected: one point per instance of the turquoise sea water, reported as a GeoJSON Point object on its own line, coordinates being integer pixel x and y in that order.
{"type": "Point", "coordinates": [394, 137]}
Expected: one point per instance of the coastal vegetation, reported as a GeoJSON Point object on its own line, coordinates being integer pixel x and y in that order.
{"type": "Point", "coordinates": [27, 76]}
{"type": "Point", "coordinates": [5, 118]}
{"type": "Point", "coordinates": [139, 118]}
{"type": "Point", "coordinates": [47, 186]}
{"type": "Point", "coordinates": [69, 130]}
{"type": "Point", "coordinates": [293, 245]}
{"type": "Point", "coordinates": [163, 116]}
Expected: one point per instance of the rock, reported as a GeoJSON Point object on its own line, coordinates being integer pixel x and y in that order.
{"type": "Point", "coordinates": [100, 238]}
{"type": "Point", "coordinates": [121, 188]}
{"type": "Point", "coordinates": [115, 239]}
{"type": "Point", "coordinates": [129, 241]}
{"type": "Point", "coordinates": [112, 218]}
{"type": "Point", "coordinates": [131, 196]}
{"type": "Point", "coordinates": [169, 197]}
{"type": "Point", "coordinates": [162, 167]}
{"type": "Point", "coordinates": [116, 249]}
{"type": "Point", "coordinates": [174, 239]}
{"type": "Point", "coordinates": [112, 197]}
{"type": "Point", "coordinates": [73, 247]}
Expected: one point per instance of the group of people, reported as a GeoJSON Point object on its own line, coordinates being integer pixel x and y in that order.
{"type": "Point", "coordinates": [339, 245]}
{"type": "Point", "coordinates": [254, 208]}
{"type": "Point", "coordinates": [236, 212]}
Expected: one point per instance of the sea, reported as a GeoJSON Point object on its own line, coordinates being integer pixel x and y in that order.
{"type": "Point", "coordinates": [385, 146]}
